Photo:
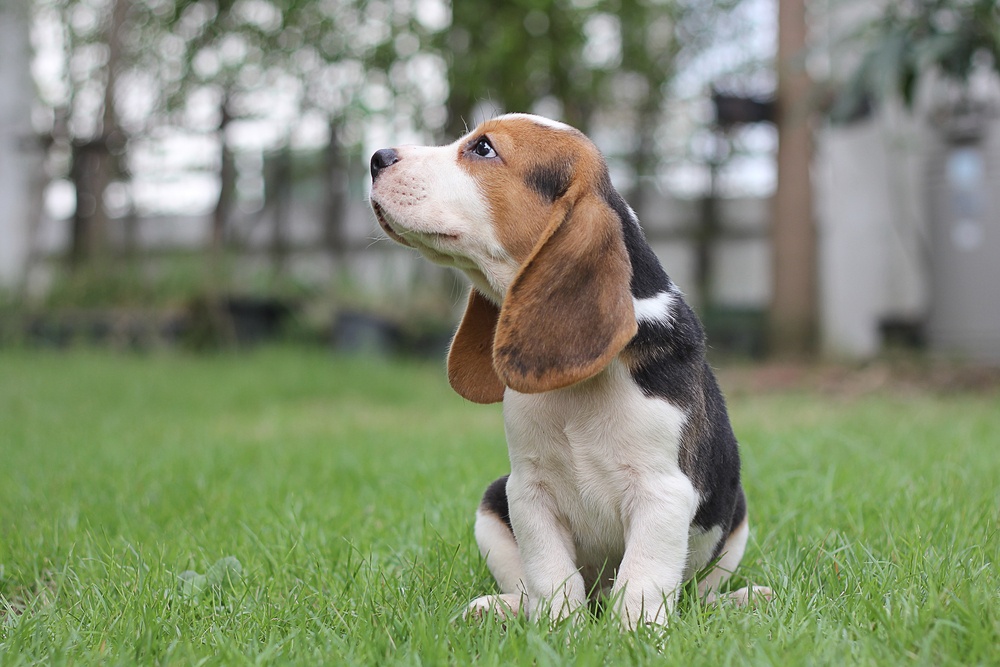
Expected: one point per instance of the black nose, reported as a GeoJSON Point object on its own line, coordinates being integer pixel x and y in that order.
{"type": "Point", "coordinates": [382, 159]}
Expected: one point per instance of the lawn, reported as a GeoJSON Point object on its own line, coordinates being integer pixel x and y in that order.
{"type": "Point", "coordinates": [346, 489]}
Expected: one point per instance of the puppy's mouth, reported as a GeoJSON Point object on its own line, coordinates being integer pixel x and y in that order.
{"type": "Point", "coordinates": [386, 227]}
{"type": "Point", "coordinates": [416, 238]}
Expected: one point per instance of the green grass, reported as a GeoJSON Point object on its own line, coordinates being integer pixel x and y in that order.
{"type": "Point", "coordinates": [346, 489]}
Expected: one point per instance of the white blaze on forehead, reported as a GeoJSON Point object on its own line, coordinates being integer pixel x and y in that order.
{"type": "Point", "coordinates": [539, 120]}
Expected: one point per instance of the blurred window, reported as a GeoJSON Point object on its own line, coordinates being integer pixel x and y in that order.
{"type": "Point", "coordinates": [965, 170]}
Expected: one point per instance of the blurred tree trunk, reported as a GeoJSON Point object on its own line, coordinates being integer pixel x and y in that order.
{"type": "Point", "coordinates": [282, 194]}
{"type": "Point", "coordinates": [335, 196]}
{"type": "Point", "coordinates": [793, 316]}
{"type": "Point", "coordinates": [709, 229]}
{"type": "Point", "coordinates": [210, 312]}
{"type": "Point", "coordinates": [93, 161]}
{"type": "Point", "coordinates": [645, 157]}
{"type": "Point", "coordinates": [459, 107]}
{"type": "Point", "coordinates": [227, 184]}
{"type": "Point", "coordinates": [89, 176]}
{"type": "Point", "coordinates": [20, 153]}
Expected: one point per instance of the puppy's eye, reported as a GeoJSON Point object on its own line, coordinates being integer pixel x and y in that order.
{"type": "Point", "coordinates": [483, 148]}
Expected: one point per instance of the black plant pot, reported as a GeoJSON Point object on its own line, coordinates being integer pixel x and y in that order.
{"type": "Point", "coordinates": [256, 319]}
{"type": "Point", "coordinates": [359, 332]}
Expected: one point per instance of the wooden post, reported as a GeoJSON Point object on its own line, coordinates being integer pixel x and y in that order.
{"type": "Point", "coordinates": [793, 317]}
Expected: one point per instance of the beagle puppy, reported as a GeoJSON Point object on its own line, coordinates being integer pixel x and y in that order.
{"type": "Point", "coordinates": [624, 472]}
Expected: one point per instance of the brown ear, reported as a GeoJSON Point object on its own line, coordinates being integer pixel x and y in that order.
{"type": "Point", "coordinates": [470, 359]}
{"type": "Point", "coordinates": [569, 310]}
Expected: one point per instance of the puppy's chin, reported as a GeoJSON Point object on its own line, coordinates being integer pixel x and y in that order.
{"type": "Point", "coordinates": [386, 227]}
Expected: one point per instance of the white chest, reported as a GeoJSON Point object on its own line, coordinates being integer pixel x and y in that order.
{"type": "Point", "coordinates": [596, 449]}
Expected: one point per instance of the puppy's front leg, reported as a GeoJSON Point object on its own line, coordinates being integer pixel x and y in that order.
{"type": "Point", "coordinates": [552, 579]}
{"type": "Point", "coordinates": [657, 514]}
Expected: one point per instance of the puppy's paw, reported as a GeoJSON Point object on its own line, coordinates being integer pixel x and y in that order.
{"type": "Point", "coordinates": [638, 608]}
{"type": "Point", "coordinates": [502, 607]}
{"type": "Point", "coordinates": [745, 597]}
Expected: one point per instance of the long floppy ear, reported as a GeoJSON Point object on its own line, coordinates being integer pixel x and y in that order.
{"type": "Point", "coordinates": [470, 358]}
{"type": "Point", "coordinates": [569, 310]}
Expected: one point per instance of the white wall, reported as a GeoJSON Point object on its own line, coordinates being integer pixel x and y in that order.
{"type": "Point", "coordinates": [870, 178]}
{"type": "Point", "coordinates": [20, 159]}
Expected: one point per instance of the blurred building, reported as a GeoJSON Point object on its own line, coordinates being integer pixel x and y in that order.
{"type": "Point", "coordinates": [910, 232]}
{"type": "Point", "coordinates": [908, 212]}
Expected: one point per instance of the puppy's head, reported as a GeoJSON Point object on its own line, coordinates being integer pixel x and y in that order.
{"type": "Point", "coordinates": [521, 205]}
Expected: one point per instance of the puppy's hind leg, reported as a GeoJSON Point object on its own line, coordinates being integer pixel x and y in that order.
{"type": "Point", "coordinates": [498, 546]}
{"type": "Point", "coordinates": [732, 554]}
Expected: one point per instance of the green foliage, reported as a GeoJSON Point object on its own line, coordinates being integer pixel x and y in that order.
{"type": "Point", "coordinates": [346, 490]}
{"type": "Point", "coordinates": [348, 60]}
{"type": "Point", "coordinates": [515, 54]}
{"type": "Point", "coordinates": [126, 285]}
{"type": "Point", "coordinates": [914, 37]}
{"type": "Point", "coordinates": [164, 282]}
{"type": "Point", "coordinates": [323, 57]}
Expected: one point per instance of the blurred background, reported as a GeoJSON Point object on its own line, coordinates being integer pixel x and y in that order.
{"type": "Point", "coordinates": [819, 178]}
